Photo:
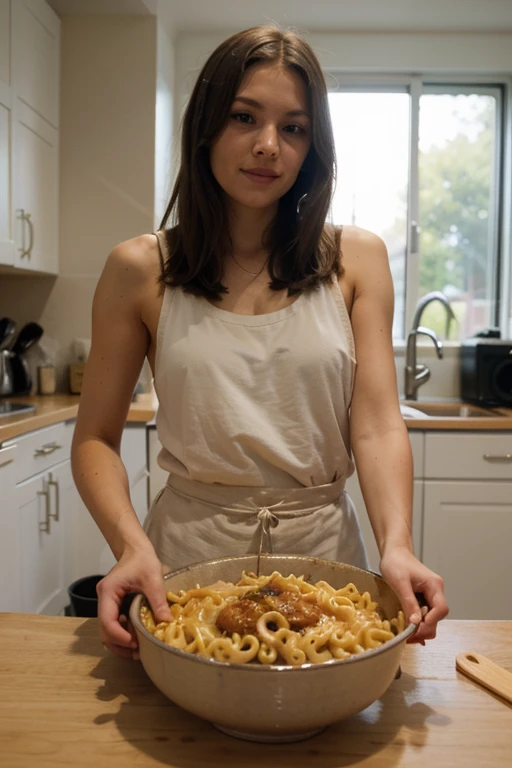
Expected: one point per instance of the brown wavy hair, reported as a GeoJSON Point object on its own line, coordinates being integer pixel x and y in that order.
{"type": "Point", "coordinates": [303, 249]}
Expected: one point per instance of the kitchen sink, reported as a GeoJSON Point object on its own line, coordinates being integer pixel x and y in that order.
{"type": "Point", "coordinates": [12, 409]}
{"type": "Point", "coordinates": [412, 409]}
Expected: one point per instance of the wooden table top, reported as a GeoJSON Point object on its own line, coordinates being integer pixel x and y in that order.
{"type": "Point", "coordinates": [65, 701]}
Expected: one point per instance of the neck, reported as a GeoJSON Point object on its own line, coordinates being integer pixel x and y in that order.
{"type": "Point", "coordinates": [246, 229]}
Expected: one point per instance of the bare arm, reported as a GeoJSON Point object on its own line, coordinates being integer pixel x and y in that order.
{"type": "Point", "coordinates": [119, 344]}
{"type": "Point", "coordinates": [378, 433]}
{"type": "Point", "coordinates": [379, 437]}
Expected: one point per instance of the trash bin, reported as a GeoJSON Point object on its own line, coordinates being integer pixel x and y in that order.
{"type": "Point", "coordinates": [83, 597]}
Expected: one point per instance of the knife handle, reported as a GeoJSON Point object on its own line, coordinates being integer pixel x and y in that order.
{"type": "Point", "coordinates": [486, 672]}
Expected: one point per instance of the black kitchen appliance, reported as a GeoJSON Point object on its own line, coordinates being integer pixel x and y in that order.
{"type": "Point", "coordinates": [486, 371]}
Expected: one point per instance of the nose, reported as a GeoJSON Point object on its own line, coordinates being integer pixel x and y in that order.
{"type": "Point", "coordinates": [267, 142]}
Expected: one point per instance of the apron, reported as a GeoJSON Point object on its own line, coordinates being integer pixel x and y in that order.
{"type": "Point", "coordinates": [190, 522]}
{"type": "Point", "coordinates": [253, 422]}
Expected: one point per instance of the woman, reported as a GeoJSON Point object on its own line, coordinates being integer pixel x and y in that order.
{"type": "Point", "coordinates": [252, 312]}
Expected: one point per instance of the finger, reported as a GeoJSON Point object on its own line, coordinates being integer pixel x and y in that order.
{"type": "Point", "coordinates": [111, 630]}
{"type": "Point", "coordinates": [119, 650]}
{"type": "Point", "coordinates": [438, 610]}
{"type": "Point", "coordinates": [408, 600]}
{"type": "Point", "coordinates": [126, 624]}
{"type": "Point", "coordinates": [155, 593]}
{"type": "Point", "coordinates": [416, 639]}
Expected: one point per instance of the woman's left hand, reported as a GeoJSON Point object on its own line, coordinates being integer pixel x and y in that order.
{"type": "Point", "coordinates": [407, 575]}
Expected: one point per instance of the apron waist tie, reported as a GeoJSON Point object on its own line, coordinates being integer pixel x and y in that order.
{"type": "Point", "coordinates": [243, 500]}
{"type": "Point", "coordinates": [267, 521]}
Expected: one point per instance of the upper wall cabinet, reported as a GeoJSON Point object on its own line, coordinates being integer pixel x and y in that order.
{"type": "Point", "coordinates": [29, 135]}
{"type": "Point", "coordinates": [7, 246]}
{"type": "Point", "coordinates": [36, 58]}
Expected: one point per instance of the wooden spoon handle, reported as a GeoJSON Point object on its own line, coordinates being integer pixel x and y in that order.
{"type": "Point", "coordinates": [486, 672]}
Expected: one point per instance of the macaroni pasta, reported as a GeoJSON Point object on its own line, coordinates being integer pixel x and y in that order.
{"type": "Point", "coordinates": [273, 619]}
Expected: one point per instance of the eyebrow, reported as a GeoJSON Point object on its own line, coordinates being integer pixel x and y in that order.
{"type": "Point", "coordinates": [254, 103]}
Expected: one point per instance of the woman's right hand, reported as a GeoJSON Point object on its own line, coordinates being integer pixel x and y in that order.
{"type": "Point", "coordinates": [136, 571]}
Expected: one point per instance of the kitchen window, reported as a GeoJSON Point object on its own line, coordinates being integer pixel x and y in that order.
{"type": "Point", "coordinates": [421, 164]}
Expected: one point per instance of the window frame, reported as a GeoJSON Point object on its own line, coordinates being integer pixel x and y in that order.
{"type": "Point", "coordinates": [495, 84]}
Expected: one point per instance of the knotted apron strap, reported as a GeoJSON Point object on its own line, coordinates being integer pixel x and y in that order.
{"type": "Point", "coordinates": [267, 521]}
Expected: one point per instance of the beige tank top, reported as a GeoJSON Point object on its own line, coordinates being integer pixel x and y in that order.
{"type": "Point", "coordinates": [255, 400]}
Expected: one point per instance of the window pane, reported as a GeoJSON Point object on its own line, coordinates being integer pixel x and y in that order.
{"type": "Point", "coordinates": [456, 173]}
{"type": "Point", "coordinates": [371, 132]}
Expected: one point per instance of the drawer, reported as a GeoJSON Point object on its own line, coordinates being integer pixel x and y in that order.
{"type": "Point", "coordinates": [42, 449]}
{"type": "Point", "coordinates": [474, 456]}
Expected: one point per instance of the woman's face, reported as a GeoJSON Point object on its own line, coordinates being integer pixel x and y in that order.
{"type": "Point", "coordinates": [259, 153]}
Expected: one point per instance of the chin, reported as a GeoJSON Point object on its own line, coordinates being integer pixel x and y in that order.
{"type": "Point", "coordinates": [254, 202]}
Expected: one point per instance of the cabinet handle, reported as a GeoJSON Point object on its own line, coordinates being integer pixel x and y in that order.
{"type": "Point", "coordinates": [45, 527]}
{"type": "Point", "coordinates": [6, 462]}
{"type": "Point", "coordinates": [498, 456]}
{"type": "Point", "coordinates": [47, 449]}
{"type": "Point", "coordinates": [26, 217]}
{"type": "Point", "coordinates": [55, 515]}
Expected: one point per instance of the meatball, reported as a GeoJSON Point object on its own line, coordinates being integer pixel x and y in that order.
{"type": "Point", "coordinates": [298, 612]}
{"type": "Point", "coordinates": [241, 616]}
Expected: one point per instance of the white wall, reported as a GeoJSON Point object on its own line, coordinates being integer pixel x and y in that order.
{"type": "Point", "coordinates": [165, 159]}
{"type": "Point", "coordinates": [361, 52]}
{"type": "Point", "coordinates": [107, 170]}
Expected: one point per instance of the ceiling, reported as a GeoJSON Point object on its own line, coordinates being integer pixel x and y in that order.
{"type": "Point", "coordinates": [320, 16]}
{"type": "Point", "coordinates": [103, 7]}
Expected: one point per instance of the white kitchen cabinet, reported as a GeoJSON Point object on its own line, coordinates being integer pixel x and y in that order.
{"type": "Point", "coordinates": [467, 520]}
{"type": "Point", "coordinates": [467, 539]}
{"type": "Point", "coordinates": [48, 539]}
{"type": "Point", "coordinates": [10, 599]}
{"type": "Point", "coordinates": [43, 508]}
{"type": "Point", "coordinates": [354, 490]}
{"type": "Point", "coordinates": [157, 476]}
{"type": "Point", "coordinates": [35, 516]}
{"type": "Point", "coordinates": [29, 135]}
{"type": "Point", "coordinates": [91, 554]}
{"type": "Point", "coordinates": [36, 32]}
{"type": "Point", "coordinates": [36, 192]}
{"type": "Point", "coordinates": [7, 246]}
{"type": "Point", "coordinates": [35, 135]}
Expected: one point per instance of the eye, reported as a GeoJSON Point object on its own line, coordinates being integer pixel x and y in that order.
{"type": "Point", "coordinates": [295, 129]}
{"type": "Point", "coordinates": [241, 117]}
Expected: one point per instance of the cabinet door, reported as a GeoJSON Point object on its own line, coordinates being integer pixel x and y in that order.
{"type": "Point", "coordinates": [63, 492]}
{"type": "Point", "coordinates": [134, 456]}
{"type": "Point", "coordinates": [354, 491]}
{"type": "Point", "coordinates": [466, 539]}
{"type": "Point", "coordinates": [91, 553]}
{"type": "Point", "coordinates": [42, 507]}
{"type": "Point", "coordinates": [157, 476]}
{"type": "Point", "coordinates": [36, 51]}
{"type": "Point", "coordinates": [6, 150]}
{"type": "Point", "coordinates": [7, 246]}
{"type": "Point", "coordinates": [9, 543]}
{"type": "Point", "coordinates": [36, 57]}
{"type": "Point", "coordinates": [36, 192]}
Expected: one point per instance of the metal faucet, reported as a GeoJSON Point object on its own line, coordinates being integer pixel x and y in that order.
{"type": "Point", "coordinates": [417, 374]}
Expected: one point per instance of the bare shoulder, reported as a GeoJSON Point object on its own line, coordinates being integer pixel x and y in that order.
{"type": "Point", "coordinates": [129, 281]}
{"type": "Point", "coordinates": [135, 259]}
{"type": "Point", "coordinates": [364, 258]}
{"type": "Point", "coordinates": [358, 243]}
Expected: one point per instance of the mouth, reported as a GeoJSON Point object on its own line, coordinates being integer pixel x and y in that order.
{"type": "Point", "coordinates": [261, 176]}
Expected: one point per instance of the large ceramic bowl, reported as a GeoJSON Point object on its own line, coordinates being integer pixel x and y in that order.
{"type": "Point", "coordinates": [273, 703]}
